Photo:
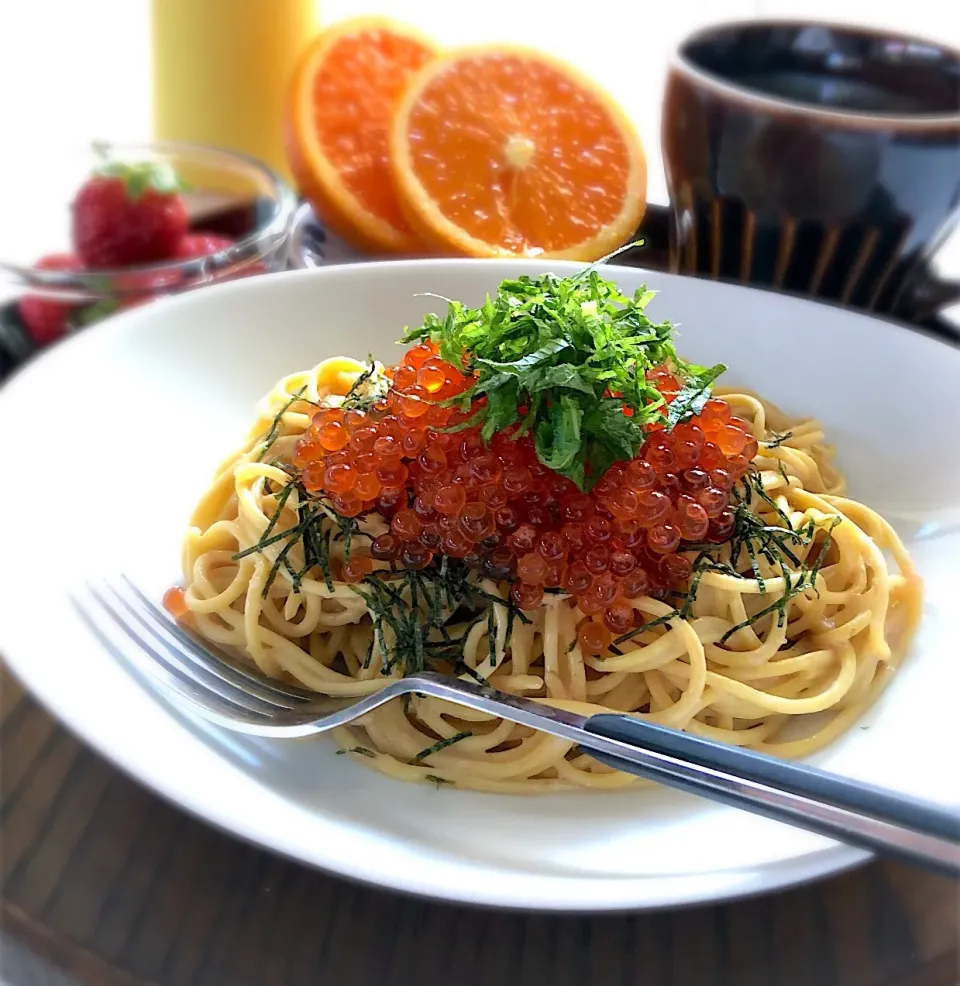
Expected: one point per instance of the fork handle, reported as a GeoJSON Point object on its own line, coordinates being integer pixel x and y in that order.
{"type": "Point", "coordinates": [831, 805]}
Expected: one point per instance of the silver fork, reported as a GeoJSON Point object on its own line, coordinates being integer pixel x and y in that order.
{"type": "Point", "coordinates": [219, 688]}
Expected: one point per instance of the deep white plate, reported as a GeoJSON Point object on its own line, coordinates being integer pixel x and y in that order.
{"type": "Point", "coordinates": [108, 440]}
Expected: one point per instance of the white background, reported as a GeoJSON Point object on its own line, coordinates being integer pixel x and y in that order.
{"type": "Point", "coordinates": [71, 70]}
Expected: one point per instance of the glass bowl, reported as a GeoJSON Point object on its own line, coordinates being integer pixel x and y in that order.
{"type": "Point", "coordinates": [311, 244]}
{"type": "Point", "coordinates": [227, 193]}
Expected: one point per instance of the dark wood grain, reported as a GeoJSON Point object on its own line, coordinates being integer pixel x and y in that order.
{"type": "Point", "coordinates": [116, 888]}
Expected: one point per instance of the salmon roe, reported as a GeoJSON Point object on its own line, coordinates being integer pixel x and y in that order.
{"type": "Point", "coordinates": [175, 602]}
{"type": "Point", "coordinates": [497, 507]}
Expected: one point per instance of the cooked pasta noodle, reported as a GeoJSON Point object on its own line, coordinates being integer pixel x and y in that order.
{"type": "Point", "coordinates": [784, 685]}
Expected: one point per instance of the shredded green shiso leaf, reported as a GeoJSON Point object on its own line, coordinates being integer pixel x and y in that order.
{"type": "Point", "coordinates": [562, 358]}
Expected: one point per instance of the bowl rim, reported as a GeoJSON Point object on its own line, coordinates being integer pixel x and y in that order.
{"type": "Point", "coordinates": [828, 860]}
{"type": "Point", "coordinates": [99, 282]}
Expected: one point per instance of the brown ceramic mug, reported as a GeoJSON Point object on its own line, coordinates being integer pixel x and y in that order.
{"type": "Point", "coordinates": [815, 159]}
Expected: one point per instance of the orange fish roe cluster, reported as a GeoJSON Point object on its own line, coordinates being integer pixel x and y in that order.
{"type": "Point", "coordinates": [511, 518]}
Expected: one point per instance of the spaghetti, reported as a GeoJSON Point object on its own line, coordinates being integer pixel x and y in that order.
{"type": "Point", "coordinates": [776, 636]}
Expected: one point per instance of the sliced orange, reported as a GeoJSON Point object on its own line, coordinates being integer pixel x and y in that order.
{"type": "Point", "coordinates": [341, 99]}
{"type": "Point", "coordinates": [505, 151]}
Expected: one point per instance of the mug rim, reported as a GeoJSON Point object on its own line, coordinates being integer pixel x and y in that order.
{"type": "Point", "coordinates": [681, 63]}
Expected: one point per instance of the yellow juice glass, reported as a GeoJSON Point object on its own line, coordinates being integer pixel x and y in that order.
{"type": "Point", "coordinates": [221, 68]}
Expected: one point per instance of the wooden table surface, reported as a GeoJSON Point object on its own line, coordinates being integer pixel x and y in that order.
{"type": "Point", "coordinates": [114, 887]}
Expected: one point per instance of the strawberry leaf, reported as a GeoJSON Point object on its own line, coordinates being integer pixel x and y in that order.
{"type": "Point", "coordinates": [139, 177]}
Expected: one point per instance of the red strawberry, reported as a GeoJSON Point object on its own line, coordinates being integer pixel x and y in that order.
{"type": "Point", "coordinates": [196, 245]}
{"type": "Point", "coordinates": [129, 214]}
{"type": "Point", "coordinates": [45, 319]}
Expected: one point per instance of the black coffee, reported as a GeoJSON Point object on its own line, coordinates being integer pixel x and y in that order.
{"type": "Point", "coordinates": [832, 67]}
{"type": "Point", "coordinates": [830, 91]}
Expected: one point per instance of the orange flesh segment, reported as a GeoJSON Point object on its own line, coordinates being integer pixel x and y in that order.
{"type": "Point", "coordinates": [355, 90]}
{"type": "Point", "coordinates": [516, 153]}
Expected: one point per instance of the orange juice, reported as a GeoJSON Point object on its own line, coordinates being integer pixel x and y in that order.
{"type": "Point", "coordinates": [221, 69]}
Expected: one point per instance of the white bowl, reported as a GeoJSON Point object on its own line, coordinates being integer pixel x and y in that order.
{"type": "Point", "coordinates": [109, 439]}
